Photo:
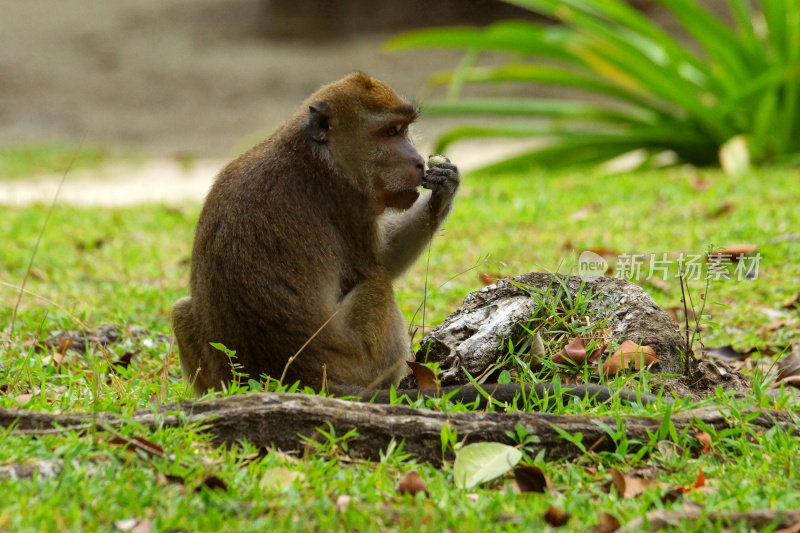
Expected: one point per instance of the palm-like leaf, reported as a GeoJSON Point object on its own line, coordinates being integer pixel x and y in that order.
{"type": "Point", "coordinates": [656, 93]}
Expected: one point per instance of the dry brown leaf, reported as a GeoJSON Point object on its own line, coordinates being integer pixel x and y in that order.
{"type": "Point", "coordinates": [144, 526]}
{"type": "Point", "coordinates": [426, 379]}
{"type": "Point", "coordinates": [573, 352]}
{"type": "Point", "coordinates": [788, 370]}
{"type": "Point", "coordinates": [629, 486]}
{"type": "Point", "coordinates": [698, 183]}
{"type": "Point", "coordinates": [606, 523]}
{"type": "Point", "coordinates": [791, 529]}
{"type": "Point", "coordinates": [163, 480]}
{"type": "Point", "coordinates": [488, 278]}
{"type": "Point", "coordinates": [412, 484]}
{"type": "Point", "coordinates": [584, 211]}
{"type": "Point", "coordinates": [531, 478]}
{"type": "Point", "coordinates": [22, 399]}
{"type": "Point", "coordinates": [210, 481]}
{"type": "Point", "coordinates": [723, 209]}
{"type": "Point", "coordinates": [556, 517]}
{"type": "Point", "coordinates": [734, 252]}
{"type": "Point", "coordinates": [705, 442]}
{"type": "Point", "coordinates": [794, 303]}
{"type": "Point", "coordinates": [596, 353]}
{"type": "Point", "coordinates": [778, 324]}
{"type": "Point", "coordinates": [59, 358]}
{"type": "Point", "coordinates": [642, 357]}
{"type": "Point", "coordinates": [138, 443]}
{"type": "Point", "coordinates": [699, 483]}
{"type": "Point", "coordinates": [538, 350]}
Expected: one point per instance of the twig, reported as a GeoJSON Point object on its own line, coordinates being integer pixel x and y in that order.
{"type": "Point", "coordinates": [39, 239]}
{"type": "Point", "coordinates": [311, 338]}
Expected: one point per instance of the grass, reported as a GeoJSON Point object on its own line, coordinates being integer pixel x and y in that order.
{"type": "Point", "coordinates": [127, 266]}
{"type": "Point", "coordinates": [25, 161]}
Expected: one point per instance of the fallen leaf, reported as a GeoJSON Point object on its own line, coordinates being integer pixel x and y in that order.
{"type": "Point", "coordinates": [573, 353]}
{"type": "Point", "coordinates": [629, 486]}
{"type": "Point", "coordinates": [137, 443]}
{"type": "Point", "coordinates": [163, 480]}
{"type": "Point", "coordinates": [343, 502]}
{"type": "Point", "coordinates": [144, 526]}
{"type": "Point", "coordinates": [669, 450]}
{"type": "Point", "coordinates": [530, 478]}
{"type": "Point", "coordinates": [59, 358]}
{"type": "Point", "coordinates": [64, 344]}
{"type": "Point", "coordinates": [210, 481]}
{"type": "Point", "coordinates": [556, 517]}
{"type": "Point", "coordinates": [788, 370]}
{"type": "Point", "coordinates": [596, 353]}
{"type": "Point", "coordinates": [279, 478]}
{"type": "Point", "coordinates": [537, 347]}
{"type": "Point", "coordinates": [734, 155]}
{"type": "Point", "coordinates": [701, 479]}
{"type": "Point", "coordinates": [426, 379]}
{"type": "Point", "coordinates": [412, 484]}
{"type": "Point", "coordinates": [606, 523]}
{"type": "Point", "coordinates": [705, 442]}
{"type": "Point", "coordinates": [698, 183]}
{"type": "Point", "coordinates": [791, 529]}
{"type": "Point", "coordinates": [584, 211]}
{"type": "Point", "coordinates": [723, 209]}
{"type": "Point", "coordinates": [734, 252]}
{"type": "Point", "coordinates": [22, 399]}
{"type": "Point", "coordinates": [125, 524]}
{"type": "Point", "coordinates": [699, 483]}
{"type": "Point", "coordinates": [726, 353]}
{"type": "Point", "coordinates": [642, 357]}
{"type": "Point", "coordinates": [487, 278]}
{"type": "Point", "coordinates": [125, 360]}
{"type": "Point", "coordinates": [483, 461]}
{"type": "Point", "coordinates": [777, 324]}
{"type": "Point", "coordinates": [794, 303]}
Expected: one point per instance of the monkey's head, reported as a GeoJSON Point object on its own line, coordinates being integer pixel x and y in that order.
{"type": "Point", "coordinates": [363, 125]}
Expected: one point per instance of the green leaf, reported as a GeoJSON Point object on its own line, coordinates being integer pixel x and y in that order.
{"type": "Point", "coordinates": [483, 461]}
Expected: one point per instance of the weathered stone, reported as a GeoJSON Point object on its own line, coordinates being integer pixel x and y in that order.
{"type": "Point", "coordinates": [474, 336]}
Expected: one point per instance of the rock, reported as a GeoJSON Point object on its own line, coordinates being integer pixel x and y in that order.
{"type": "Point", "coordinates": [474, 336]}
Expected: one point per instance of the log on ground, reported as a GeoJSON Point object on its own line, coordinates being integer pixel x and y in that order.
{"type": "Point", "coordinates": [281, 420]}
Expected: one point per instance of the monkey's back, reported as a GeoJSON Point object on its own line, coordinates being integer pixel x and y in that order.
{"type": "Point", "coordinates": [267, 252]}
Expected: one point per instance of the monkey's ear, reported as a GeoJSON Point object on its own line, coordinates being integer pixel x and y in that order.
{"type": "Point", "coordinates": [319, 122]}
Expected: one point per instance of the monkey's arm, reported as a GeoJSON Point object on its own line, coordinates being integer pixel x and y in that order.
{"type": "Point", "coordinates": [507, 393]}
{"type": "Point", "coordinates": [406, 234]}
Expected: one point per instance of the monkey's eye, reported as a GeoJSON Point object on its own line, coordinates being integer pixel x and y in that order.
{"type": "Point", "coordinates": [393, 131]}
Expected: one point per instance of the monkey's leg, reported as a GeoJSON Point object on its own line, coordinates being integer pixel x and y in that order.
{"type": "Point", "coordinates": [184, 324]}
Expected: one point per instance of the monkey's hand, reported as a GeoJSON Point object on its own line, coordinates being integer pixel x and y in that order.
{"type": "Point", "coordinates": [442, 179]}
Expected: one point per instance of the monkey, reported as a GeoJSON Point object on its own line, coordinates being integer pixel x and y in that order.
{"type": "Point", "coordinates": [297, 246]}
{"type": "Point", "coordinates": [299, 241]}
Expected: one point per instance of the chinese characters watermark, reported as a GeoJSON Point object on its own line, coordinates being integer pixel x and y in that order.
{"type": "Point", "coordinates": [692, 267]}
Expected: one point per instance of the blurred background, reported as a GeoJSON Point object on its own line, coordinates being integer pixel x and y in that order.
{"type": "Point", "coordinates": [205, 77]}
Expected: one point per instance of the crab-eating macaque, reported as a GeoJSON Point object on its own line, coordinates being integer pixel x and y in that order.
{"type": "Point", "coordinates": [299, 241]}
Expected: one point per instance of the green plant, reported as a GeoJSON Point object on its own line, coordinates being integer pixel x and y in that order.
{"type": "Point", "coordinates": [736, 99]}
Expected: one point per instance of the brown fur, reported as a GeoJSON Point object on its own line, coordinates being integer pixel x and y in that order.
{"type": "Point", "coordinates": [296, 231]}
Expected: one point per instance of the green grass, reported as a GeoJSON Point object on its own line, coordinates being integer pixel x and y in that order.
{"type": "Point", "coordinates": [127, 266]}
{"type": "Point", "coordinates": [24, 161]}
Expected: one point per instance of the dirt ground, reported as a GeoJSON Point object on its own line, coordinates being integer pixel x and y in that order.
{"type": "Point", "coordinates": [170, 76]}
